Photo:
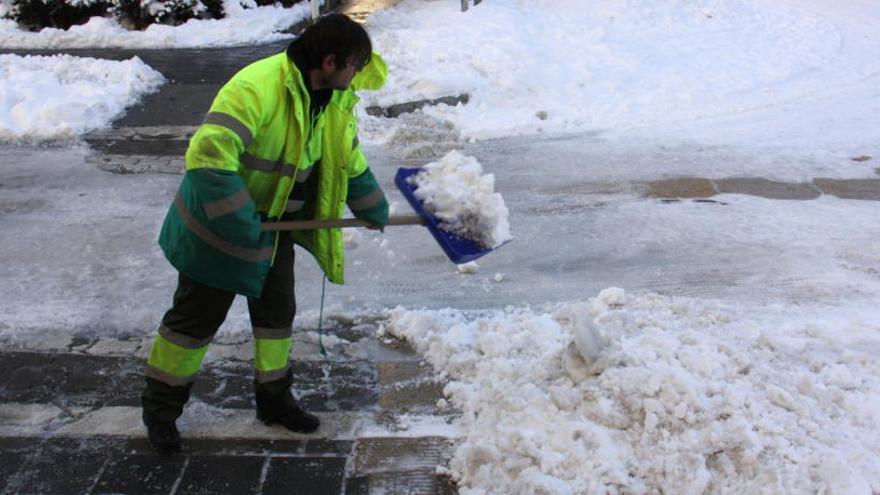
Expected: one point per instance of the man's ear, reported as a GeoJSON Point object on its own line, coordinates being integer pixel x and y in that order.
{"type": "Point", "coordinates": [329, 63]}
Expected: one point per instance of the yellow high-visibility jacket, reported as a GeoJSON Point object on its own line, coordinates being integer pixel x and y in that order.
{"type": "Point", "coordinates": [255, 143]}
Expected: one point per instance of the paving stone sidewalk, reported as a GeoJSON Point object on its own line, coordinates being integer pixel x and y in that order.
{"type": "Point", "coordinates": [69, 423]}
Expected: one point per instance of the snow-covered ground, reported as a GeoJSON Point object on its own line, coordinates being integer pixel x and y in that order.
{"type": "Point", "coordinates": [794, 76]}
{"type": "Point", "coordinates": [741, 354]}
{"type": "Point", "coordinates": [240, 27]}
{"type": "Point", "coordinates": [679, 395]}
{"type": "Point", "coordinates": [61, 97]}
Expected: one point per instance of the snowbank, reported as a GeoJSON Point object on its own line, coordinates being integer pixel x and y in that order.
{"type": "Point", "coordinates": [457, 192]}
{"type": "Point", "coordinates": [61, 97]}
{"type": "Point", "coordinates": [680, 396]}
{"type": "Point", "coordinates": [239, 27]}
{"type": "Point", "coordinates": [569, 65]}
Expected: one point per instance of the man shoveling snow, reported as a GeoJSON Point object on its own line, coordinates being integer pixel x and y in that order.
{"type": "Point", "coordinates": [278, 142]}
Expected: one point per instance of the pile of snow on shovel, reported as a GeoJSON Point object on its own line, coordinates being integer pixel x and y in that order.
{"type": "Point", "coordinates": [455, 190]}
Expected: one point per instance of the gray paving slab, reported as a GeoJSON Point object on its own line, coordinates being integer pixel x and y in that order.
{"type": "Point", "coordinates": [404, 465]}
{"type": "Point", "coordinates": [10, 463]}
{"type": "Point", "coordinates": [66, 378]}
{"type": "Point", "coordinates": [53, 469]}
{"type": "Point", "coordinates": [178, 104]}
{"type": "Point", "coordinates": [414, 482]}
{"type": "Point", "coordinates": [392, 454]}
{"type": "Point", "coordinates": [141, 473]}
{"type": "Point", "coordinates": [396, 372]}
{"type": "Point", "coordinates": [357, 486]}
{"type": "Point", "coordinates": [312, 475]}
{"type": "Point", "coordinates": [412, 397]}
{"type": "Point", "coordinates": [206, 475]}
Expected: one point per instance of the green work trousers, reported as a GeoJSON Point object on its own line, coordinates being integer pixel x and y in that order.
{"type": "Point", "coordinates": [194, 318]}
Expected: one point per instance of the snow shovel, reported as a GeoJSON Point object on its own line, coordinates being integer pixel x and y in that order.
{"type": "Point", "coordinates": [458, 249]}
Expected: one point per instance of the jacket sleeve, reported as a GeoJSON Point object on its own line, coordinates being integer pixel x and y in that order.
{"type": "Point", "coordinates": [366, 199]}
{"type": "Point", "coordinates": [213, 159]}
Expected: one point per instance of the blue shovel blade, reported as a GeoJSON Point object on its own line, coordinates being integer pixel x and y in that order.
{"type": "Point", "coordinates": [458, 249]}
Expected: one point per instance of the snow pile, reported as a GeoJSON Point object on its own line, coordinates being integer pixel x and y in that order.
{"type": "Point", "coordinates": [569, 65]}
{"type": "Point", "coordinates": [455, 190]}
{"type": "Point", "coordinates": [61, 97]}
{"type": "Point", "coordinates": [239, 27]}
{"type": "Point", "coordinates": [679, 396]}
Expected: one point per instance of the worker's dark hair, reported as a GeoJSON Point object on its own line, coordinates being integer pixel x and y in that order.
{"type": "Point", "coordinates": [332, 34]}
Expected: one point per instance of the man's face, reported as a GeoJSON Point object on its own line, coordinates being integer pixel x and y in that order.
{"type": "Point", "coordinates": [339, 77]}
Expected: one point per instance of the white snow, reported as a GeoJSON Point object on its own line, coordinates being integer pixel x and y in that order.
{"type": "Point", "coordinates": [683, 396]}
{"type": "Point", "coordinates": [456, 191]}
{"type": "Point", "coordinates": [469, 268]}
{"type": "Point", "coordinates": [61, 96]}
{"type": "Point", "coordinates": [551, 66]}
{"type": "Point", "coordinates": [240, 27]}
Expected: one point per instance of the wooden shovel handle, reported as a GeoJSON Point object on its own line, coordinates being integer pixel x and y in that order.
{"type": "Point", "coordinates": [340, 223]}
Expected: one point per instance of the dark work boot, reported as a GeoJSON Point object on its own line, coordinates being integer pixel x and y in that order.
{"type": "Point", "coordinates": [162, 405]}
{"type": "Point", "coordinates": [275, 404]}
{"type": "Point", "coordinates": [163, 435]}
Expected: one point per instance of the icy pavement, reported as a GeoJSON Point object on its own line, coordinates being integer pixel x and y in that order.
{"type": "Point", "coordinates": [572, 239]}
